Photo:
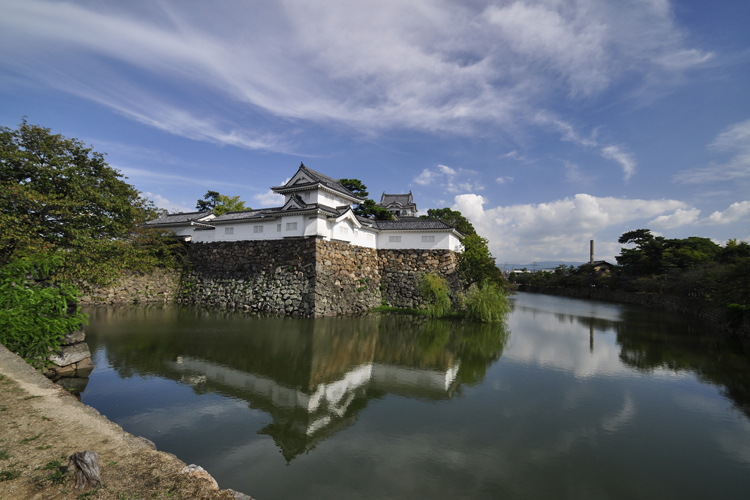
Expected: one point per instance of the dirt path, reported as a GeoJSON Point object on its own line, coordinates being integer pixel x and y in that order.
{"type": "Point", "coordinates": [41, 425]}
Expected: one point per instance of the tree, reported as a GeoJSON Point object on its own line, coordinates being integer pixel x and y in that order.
{"type": "Point", "coordinates": [475, 264]}
{"type": "Point", "coordinates": [59, 196]}
{"type": "Point", "coordinates": [367, 208]}
{"type": "Point", "coordinates": [220, 204]}
{"type": "Point", "coordinates": [453, 218]}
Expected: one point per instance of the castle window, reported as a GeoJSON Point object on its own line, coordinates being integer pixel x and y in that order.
{"type": "Point", "coordinates": [257, 229]}
{"type": "Point", "coordinates": [291, 226]}
{"type": "Point", "coordinates": [228, 230]}
{"type": "Point", "coordinates": [278, 228]}
{"type": "Point", "coordinates": [428, 239]}
{"type": "Point", "coordinates": [394, 239]}
{"type": "Point", "coordinates": [307, 196]}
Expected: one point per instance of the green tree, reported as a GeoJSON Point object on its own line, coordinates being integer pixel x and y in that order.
{"type": "Point", "coordinates": [59, 196]}
{"type": "Point", "coordinates": [368, 208]}
{"type": "Point", "coordinates": [453, 218]}
{"type": "Point", "coordinates": [220, 204]}
{"type": "Point", "coordinates": [475, 264]}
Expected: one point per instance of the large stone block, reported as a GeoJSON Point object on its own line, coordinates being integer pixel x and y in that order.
{"type": "Point", "coordinates": [70, 354]}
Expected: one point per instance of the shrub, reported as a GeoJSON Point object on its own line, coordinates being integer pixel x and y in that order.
{"type": "Point", "coordinates": [435, 293]}
{"type": "Point", "coordinates": [35, 314]}
{"type": "Point", "coordinates": [487, 303]}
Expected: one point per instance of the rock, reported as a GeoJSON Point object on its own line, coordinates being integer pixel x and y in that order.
{"type": "Point", "coordinates": [239, 496]}
{"type": "Point", "coordinates": [200, 473]}
{"type": "Point", "coordinates": [62, 371]}
{"type": "Point", "coordinates": [73, 337]}
{"type": "Point", "coordinates": [84, 367]}
{"type": "Point", "coordinates": [70, 354]}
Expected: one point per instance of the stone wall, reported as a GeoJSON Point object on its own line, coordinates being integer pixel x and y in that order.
{"type": "Point", "coordinates": [401, 271]}
{"type": "Point", "coordinates": [133, 288]}
{"type": "Point", "coordinates": [308, 276]}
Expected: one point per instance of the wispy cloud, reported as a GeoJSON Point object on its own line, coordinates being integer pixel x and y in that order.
{"type": "Point", "coordinates": [436, 67]}
{"type": "Point", "coordinates": [734, 140]}
{"type": "Point", "coordinates": [450, 180]}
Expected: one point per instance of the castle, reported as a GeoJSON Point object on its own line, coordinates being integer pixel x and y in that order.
{"type": "Point", "coordinates": [312, 256]}
{"type": "Point", "coordinates": [318, 206]}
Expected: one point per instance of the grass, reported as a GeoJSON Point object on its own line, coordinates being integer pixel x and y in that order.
{"type": "Point", "coordinates": [30, 439]}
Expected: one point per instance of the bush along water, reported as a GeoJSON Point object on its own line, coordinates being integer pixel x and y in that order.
{"type": "Point", "coordinates": [486, 302]}
{"type": "Point", "coordinates": [36, 314]}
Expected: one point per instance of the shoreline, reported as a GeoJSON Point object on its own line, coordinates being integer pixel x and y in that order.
{"type": "Point", "coordinates": [41, 425]}
{"type": "Point", "coordinates": [698, 308]}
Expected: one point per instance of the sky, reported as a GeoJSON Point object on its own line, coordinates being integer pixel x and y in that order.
{"type": "Point", "coordinates": [547, 123]}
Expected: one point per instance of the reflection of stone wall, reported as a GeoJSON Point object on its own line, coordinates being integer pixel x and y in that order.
{"type": "Point", "coordinates": [308, 276]}
{"type": "Point", "coordinates": [135, 288]}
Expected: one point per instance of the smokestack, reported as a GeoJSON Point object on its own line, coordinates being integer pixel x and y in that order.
{"type": "Point", "coordinates": [591, 253]}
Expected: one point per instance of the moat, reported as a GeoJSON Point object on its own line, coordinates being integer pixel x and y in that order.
{"type": "Point", "coordinates": [571, 399]}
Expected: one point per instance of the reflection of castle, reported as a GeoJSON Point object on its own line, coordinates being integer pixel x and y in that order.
{"type": "Point", "coordinates": [304, 417]}
{"type": "Point", "coordinates": [327, 386]}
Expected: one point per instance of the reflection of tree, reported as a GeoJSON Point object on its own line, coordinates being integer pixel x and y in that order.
{"type": "Point", "coordinates": [651, 341]}
{"type": "Point", "coordinates": [312, 376]}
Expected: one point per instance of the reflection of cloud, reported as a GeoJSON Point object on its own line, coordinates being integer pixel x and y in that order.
{"type": "Point", "coordinates": [626, 414]}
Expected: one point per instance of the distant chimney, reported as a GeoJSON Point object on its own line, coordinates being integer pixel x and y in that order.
{"type": "Point", "coordinates": [591, 253]}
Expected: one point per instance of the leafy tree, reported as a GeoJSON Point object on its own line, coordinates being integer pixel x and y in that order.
{"type": "Point", "coordinates": [57, 195]}
{"type": "Point", "coordinates": [475, 264]}
{"type": "Point", "coordinates": [367, 208]}
{"type": "Point", "coordinates": [453, 218]}
{"type": "Point", "coordinates": [209, 201]}
{"type": "Point", "coordinates": [220, 204]}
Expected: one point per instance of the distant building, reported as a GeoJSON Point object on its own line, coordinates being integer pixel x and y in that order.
{"type": "Point", "coordinates": [400, 205]}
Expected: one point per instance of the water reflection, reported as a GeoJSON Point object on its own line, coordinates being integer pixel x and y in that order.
{"type": "Point", "coordinates": [312, 377]}
{"type": "Point", "coordinates": [643, 341]}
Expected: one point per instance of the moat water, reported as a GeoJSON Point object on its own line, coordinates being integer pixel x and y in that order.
{"type": "Point", "coordinates": [570, 399]}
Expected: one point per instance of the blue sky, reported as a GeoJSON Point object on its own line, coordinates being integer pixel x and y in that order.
{"type": "Point", "coordinates": [547, 123]}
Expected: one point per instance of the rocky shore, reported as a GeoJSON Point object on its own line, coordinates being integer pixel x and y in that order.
{"type": "Point", "coordinates": [41, 425]}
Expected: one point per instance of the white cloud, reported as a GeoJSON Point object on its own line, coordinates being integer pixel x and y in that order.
{"type": "Point", "coordinates": [269, 199]}
{"type": "Point", "coordinates": [679, 217]}
{"type": "Point", "coordinates": [736, 212]}
{"type": "Point", "coordinates": [559, 229]}
{"type": "Point", "coordinates": [734, 140]}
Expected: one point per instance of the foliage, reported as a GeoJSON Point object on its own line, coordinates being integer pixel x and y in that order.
{"type": "Point", "coordinates": [368, 208]}
{"type": "Point", "coordinates": [34, 314]}
{"type": "Point", "coordinates": [220, 204]}
{"type": "Point", "coordinates": [435, 292]}
{"type": "Point", "coordinates": [476, 264]}
{"type": "Point", "coordinates": [487, 303]}
{"type": "Point", "coordinates": [689, 267]}
{"type": "Point", "coordinates": [58, 196]}
{"type": "Point", "coordinates": [453, 218]}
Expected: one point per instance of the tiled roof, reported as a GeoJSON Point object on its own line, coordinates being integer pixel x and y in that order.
{"type": "Point", "coordinates": [317, 177]}
{"type": "Point", "coordinates": [270, 212]}
{"type": "Point", "coordinates": [179, 218]}
{"type": "Point", "coordinates": [412, 224]}
{"type": "Point", "coordinates": [398, 199]}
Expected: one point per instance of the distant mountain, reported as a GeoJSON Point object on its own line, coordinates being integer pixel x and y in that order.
{"type": "Point", "coordinates": [542, 264]}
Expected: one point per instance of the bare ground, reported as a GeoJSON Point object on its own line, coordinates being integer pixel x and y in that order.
{"type": "Point", "coordinates": [41, 425]}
